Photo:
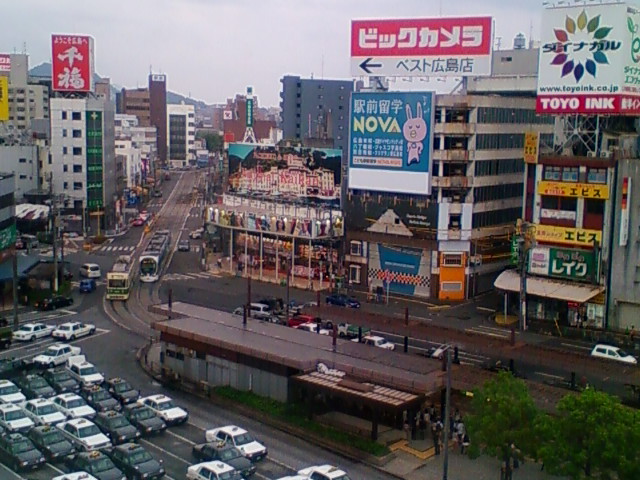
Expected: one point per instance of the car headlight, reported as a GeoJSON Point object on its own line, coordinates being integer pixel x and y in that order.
{"type": "Point", "coordinates": [148, 429]}
{"type": "Point", "coordinates": [122, 438]}
{"type": "Point", "coordinates": [24, 463]}
{"type": "Point", "coordinates": [42, 459]}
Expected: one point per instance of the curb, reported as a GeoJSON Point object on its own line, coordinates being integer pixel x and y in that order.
{"type": "Point", "coordinates": [340, 450]}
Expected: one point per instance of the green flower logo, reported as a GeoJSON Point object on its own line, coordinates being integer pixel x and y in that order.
{"type": "Point", "coordinates": [635, 43]}
{"type": "Point", "coordinates": [581, 34]}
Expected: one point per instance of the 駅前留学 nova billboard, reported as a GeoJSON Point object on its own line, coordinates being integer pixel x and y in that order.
{"type": "Point", "coordinates": [391, 142]}
{"type": "Point", "coordinates": [590, 60]}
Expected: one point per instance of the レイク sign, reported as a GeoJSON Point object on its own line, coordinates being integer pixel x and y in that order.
{"type": "Point", "coordinates": [72, 63]}
{"type": "Point", "coordinates": [589, 60]}
{"type": "Point", "coordinates": [391, 142]}
{"type": "Point", "coordinates": [422, 46]}
{"type": "Point", "coordinates": [563, 263]}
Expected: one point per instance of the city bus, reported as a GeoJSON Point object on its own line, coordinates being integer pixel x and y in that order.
{"type": "Point", "coordinates": [120, 279]}
{"type": "Point", "coordinates": [154, 256]}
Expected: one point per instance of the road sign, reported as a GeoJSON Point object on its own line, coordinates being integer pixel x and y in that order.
{"type": "Point", "coordinates": [453, 47]}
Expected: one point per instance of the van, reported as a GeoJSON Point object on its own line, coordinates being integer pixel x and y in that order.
{"type": "Point", "coordinates": [260, 311]}
{"type": "Point", "coordinates": [90, 270]}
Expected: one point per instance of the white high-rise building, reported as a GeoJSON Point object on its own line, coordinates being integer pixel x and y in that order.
{"type": "Point", "coordinates": [181, 137]}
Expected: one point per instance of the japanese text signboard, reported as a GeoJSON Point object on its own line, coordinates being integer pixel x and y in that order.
{"type": "Point", "coordinates": [590, 60]}
{"type": "Point", "coordinates": [72, 63]}
{"type": "Point", "coordinates": [576, 190]}
{"type": "Point", "coordinates": [391, 142]}
{"type": "Point", "coordinates": [455, 47]}
{"type": "Point", "coordinates": [4, 99]}
{"type": "Point", "coordinates": [95, 165]}
{"type": "Point", "coordinates": [568, 235]}
{"type": "Point", "coordinates": [563, 263]}
{"type": "Point", "coordinates": [531, 147]}
{"type": "Point", "coordinates": [5, 62]}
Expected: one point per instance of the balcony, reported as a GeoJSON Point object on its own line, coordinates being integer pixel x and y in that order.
{"type": "Point", "coordinates": [454, 128]}
{"type": "Point", "coordinates": [453, 182]}
{"type": "Point", "coordinates": [453, 155]}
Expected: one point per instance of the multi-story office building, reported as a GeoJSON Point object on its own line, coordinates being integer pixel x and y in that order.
{"type": "Point", "coordinates": [82, 161]}
{"type": "Point", "coordinates": [457, 239]}
{"type": "Point", "coordinates": [24, 162]}
{"type": "Point", "coordinates": [158, 112]}
{"type": "Point", "coordinates": [27, 100]}
{"type": "Point", "coordinates": [135, 102]}
{"type": "Point", "coordinates": [7, 232]}
{"type": "Point", "coordinates": [181, 137]}
{"type": "Point", "coordinates": [316, 109]}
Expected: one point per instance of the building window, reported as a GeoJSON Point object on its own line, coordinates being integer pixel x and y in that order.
{"type": "Point", "coordinates": [451, 286]}
{"type": "Point", "coordinates": [65, 186]}
{"type": "Point", "coordinates": [23, 160]}
{"type": "Point", "coordinates": [597, 175]}
{"type": "Point", "coordinates": [570, 174]}
{"type": "Point", "coordinates": [552, 173]}
{"type": "Point", "coordinates": [594, 206]}
{"type": "Point", "coordinates": [76, 116]}
{"type": "Point", "coordinates": [77, 185]}
{"type": "Point", "coordinates": [452, 260]}
{"type": "Point", "coordinates": [320, 97]}
{"type": "Point", "coordinates": [77, 169]}
{"type": "Point", "coordinates": [23, 177]}
{"type": "Point", "coordinates": [77, 150]}
{"type": "Point", "coordinates": [354, 274]}
{"type": "Point", "coordinates": [64, 132]}
{"type": "Point", "coordinates": [356, 248]}
{"type": "Point", "coordinates": [64, 115]}
{"type": "Point", "coordinates": [77, 134]}
{"type": "Point", "coordinates": [65, 150]}
{"type": "Point", "coordinates": [65, 168]}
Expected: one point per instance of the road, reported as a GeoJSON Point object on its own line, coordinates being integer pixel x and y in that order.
{"type": "Point", "coordinates": [124, 328]}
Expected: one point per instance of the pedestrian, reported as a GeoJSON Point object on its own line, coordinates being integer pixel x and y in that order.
{"type": "Point", "coordinates": [632, 334]}
{"type": "Point", "coordinates": [465, 442]}
{"type": "Point", "coordinates": [422, 425]}
{"type": "Point", "coordinates": [460, 433]}
{"type": "Point", "coordinates": [407, 430]}
{"type": "Point", "coordinates": [435, 437]}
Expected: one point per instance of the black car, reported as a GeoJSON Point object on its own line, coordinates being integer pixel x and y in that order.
{"type": "Point", "coordinates": [122, 390]}
{"type": "Point", "coordinates": [136, 462]}
{"type": "Point", "coordinates": [144, 419]}
{"type": "Point", "coordinates": [53, 303]}
{"type": "Point", "coordinates": [61, 380]}
{"type": "Point", "coordinates": [10, 368]}
{"type": "Point", "coordinates": [221, 451]}
{"type": "Point", "coordinates": [97, 464]}
{"type": "Point", "coordinates": [116, 426]}
{"type": "Point", "coordinates": [100, 399]}
{"type": "Point", "coordinates": [19, 453]}
{"type": "Point", "coordinates": [34, 386]}
{"type": "Point", "coordinates": [50, 441]}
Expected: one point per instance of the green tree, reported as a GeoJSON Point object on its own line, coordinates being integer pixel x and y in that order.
{"type": "Point", "coordinates": [215, 142]}
{"type": "Point", "coordinates": [593, 435]}
{"type": "Point", "coordinates": [502, 420]}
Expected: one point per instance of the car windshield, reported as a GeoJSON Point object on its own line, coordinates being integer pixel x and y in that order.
{"type": "Point", "coordinates": [88, 370]}
{"type": "Point", "coordinates": [121, 387]}
{"type": "Point", "coordinates": [25, 328]}
{"type": "Point", "coordinates": [229, 454]}
{"type": "Point", "coordinates": [243, 439]}
{"type": "Point", "coordinates": [75, 403]}
{"type": "Point", "coordinates": [61, 376]}
{"type": "Point", "coordinates": [168, 405]}
{"type": "Point", "coordinates": [46, 409]}
{"type": "Point", "coordinates": [140, 456]}
{"type": "Point", "coordinates": [52, 436]}
{"type": "Point", "coordinates": [100, 395]}
{"type": "Point", "coordinates": [51, 351]}
{"type": "Point", "coordinates": [622, 353]}
{"type": "Point", "coordinates": [101, 465]}
{"type": "Point", "coordinates": [118, 422]}
{"type": "Point", "coordinates": [343, 477]}
{"type": "Point", "coordinates": [88, 431]}
{"type": "Point", "coordinates": [15, 415]}
{"type": "Point", "coordinates": [21, 446]}
{"type": "Point", "coordinates": [8, 389]}
{"type": "Point", "coordinates": [38, 382]}
{"type": "Point", "coordinates": [231, 475]}
{"type": "Point", "coordinates": [142, 414]}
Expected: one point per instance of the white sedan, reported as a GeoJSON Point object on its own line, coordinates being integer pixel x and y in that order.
{"type": "Point", "coordinates": [324, 472]}
{"type": "Point", "coordinates": [313, 328]}
{"type": "Point", "coordinates": [73, 406]}
{"type": "Point", "coordinates": [211, 471]}
{"type": "Point", "coordinates": [76, 476]}
{"type": "Point", "coordinates": [31, 331]}
{"type": "Point", "coordinates": [239, 438]}
{"type": "Point", "coordinates": [164, 407]}
{"type": "Point", "coordinates": [376, 341]}
{"type": "Point", "coordinates": [72, 330]}
{"type": "Point", "coordinates": [612, 352]}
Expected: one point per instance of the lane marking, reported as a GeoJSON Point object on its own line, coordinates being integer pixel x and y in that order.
{"type": "Point", "coordinates": [180, 437]}
{"type": "Point", "coordinates": [12, 472]}
{"type": "Point", "coordinates": [166, 452]}
{"type": "Point", "coordinates": [557, 377]}
{"type": "Point", "coordinates": [53, 467]}
{"type": "Point", "coordinates": [582, 347]}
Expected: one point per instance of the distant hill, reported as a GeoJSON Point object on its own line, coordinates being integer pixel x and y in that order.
{"type": "Point", "coordinates": [44, 71]}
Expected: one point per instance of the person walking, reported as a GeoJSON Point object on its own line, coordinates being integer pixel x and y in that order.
{"type": "Point", "coordinates": [460, 434]}
{"type": "Point", "coordinates": [436, 429]}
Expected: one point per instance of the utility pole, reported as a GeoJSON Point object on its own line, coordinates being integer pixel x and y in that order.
{"type": "Point", "coordinates": [53, 215]}
{"type": "Point", "coordinates": [16, 322]}
{"type": "Point", "coordinates": [447, 413]}
{"type": "Point", "coordinates": [523, 255]}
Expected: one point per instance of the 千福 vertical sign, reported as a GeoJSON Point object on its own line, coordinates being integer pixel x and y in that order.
{"type": "Point", "coordinates": [72, 63]}
{"type": "Point", "coordinates": [456, 47]}
{"type": "Point", "coordinates": [590, 60]}
{"type": "Point", "coordinates": [391, 142]}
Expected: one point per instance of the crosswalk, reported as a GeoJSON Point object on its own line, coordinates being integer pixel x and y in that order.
{"type": "Point", "coordinates": [495, 332]}
{"type": "Point", "coordinates": [117, 248]}
{"type": "Point", "coordinates": [190, 276]}
{"type": "Point", "coordinates": [194, 214]}
{"type": "Point", "coordinates": [155, 204]}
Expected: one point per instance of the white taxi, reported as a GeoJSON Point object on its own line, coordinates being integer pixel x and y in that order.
{"type": "Point", "coordinates": [239, 438]}
{"type": "Point", "coordinates": [324, 472]}
{"type": "Point", "coordinates": [377, 341]}
{"type": "Point", "coordinates": [14, 418]}
{"type": "Point", "coordinates": [85, 434]}
{"type": "Point", "coordinates": [72, 330]}
{"type": "Point", "coordinates": [9, 393]}
{"type": "Point", "coordinates": [215, 470]}
{"type": "Point", "coordinates": [83, 371]}
{"type": "Point", "coordinates": [73, 406]}
{"type": "Point", "coordinates": [75, 476]}
{"type": "Point", "coordinates": [43, 412]}
{"type": "Point", "coordinates": [164, 407]}
{"type": "Point", "coordinates": [31, 331]}
{"type": "Point", "coordinates": [56, 354]}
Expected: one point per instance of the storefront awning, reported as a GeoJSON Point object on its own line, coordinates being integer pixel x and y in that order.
{"type": "Point", "coordinates": [509, 280]}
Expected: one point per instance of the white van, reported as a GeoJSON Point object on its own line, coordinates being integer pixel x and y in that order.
{"type": "Point", "coordinates": [90, 270]}
{"type": "Point", "coordinates": [260, 311]}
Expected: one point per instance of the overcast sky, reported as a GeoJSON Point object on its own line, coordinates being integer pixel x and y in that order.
{"type": "Point", "coordinates": [213, 49]}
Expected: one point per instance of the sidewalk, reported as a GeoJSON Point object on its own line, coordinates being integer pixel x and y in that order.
{"type": "Point", "coordinates": [400, 464]}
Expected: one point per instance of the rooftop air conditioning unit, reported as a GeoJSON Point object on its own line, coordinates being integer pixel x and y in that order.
{"type": "Point", "coordinates": [591, 154]}
{"type": "Point", "coordinates": [605, 154]}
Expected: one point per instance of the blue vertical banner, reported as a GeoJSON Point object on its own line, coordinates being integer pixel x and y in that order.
{"type": "Point", "coordinates": [391, 142]}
